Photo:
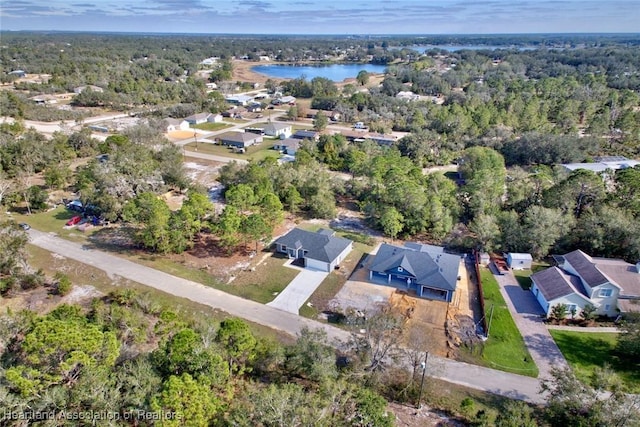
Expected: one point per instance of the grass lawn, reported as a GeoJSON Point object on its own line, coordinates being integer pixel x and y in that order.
{"type": "Point", "coordinates": [211, 126]}
{"type": "Point", "coordinates": [54, 221]}
{"type": "Point", "coordinates": [255, 152]}
{"type": "Point", "coordinates": [262, 285]}
{"type": "Point", "coordinates": [524, 276]}
{"type": "Point", "coordinates": [505, 349]}
{"type": "Point", "coordinates": [587, 350]}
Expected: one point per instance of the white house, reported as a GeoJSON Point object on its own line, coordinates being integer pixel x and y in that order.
{"type": "Point", "coordinates": [280, 130]}
{"type": "Point", "coordinates": [519, 261]}
{"type": "Point", "coordinates": [172, 124]}
{"type": "Point", "coordinates": [196, 119]}
{"type": "Point", "coordinates": [610, 285]}
{"type": "Point", "coordinates": [241, 100]}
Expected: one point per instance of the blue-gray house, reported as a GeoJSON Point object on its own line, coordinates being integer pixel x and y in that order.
{"type": "Point", "coordinates": [425, 269]}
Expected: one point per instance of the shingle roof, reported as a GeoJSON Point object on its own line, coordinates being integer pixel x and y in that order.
{"type": "Point", "coordinates": [555, 283]}
{"type": "Point", "coordinates": [198, 116]}
{"type": "Point", "coordinates": [275, 126]}
{"type": "Point", "coordinates": [436, 270]}
{"type": "Point", "coordinates": [586, 269]}
{"type": "Point", "coordinates": [238, 136]}
{"type": "Point", "coordinates": [321, 246]}
{"type": "Point", "coordinates": [302, 134]}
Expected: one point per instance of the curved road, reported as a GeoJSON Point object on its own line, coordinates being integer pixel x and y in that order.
{"type": "Point", "coordinates": [490, 380]}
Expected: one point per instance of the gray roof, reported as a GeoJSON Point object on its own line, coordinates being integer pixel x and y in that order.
{"type": "Point", "coordinates": [586, 269]}
{"type": "Point", "coordinates": [276, 126]}
{"type": "Point", "coordinates": [555, 283]}
{"type": "Point", "coordinates": [302, 134]}
{"type": "Point", "coordinates": [434, 269]}
{"type": "Point", "coordinates": [321, 245]}
{"type": "Point", "coordinates": [518, 255]}
{"type": "Point", "coordinates": [421, 247]}
{"type": "Point", "coordinates": [623, 274]}
{"type": "Point", "coordinates": [239, 136]}
{"type": "Point", "coordinates": [198, 116]}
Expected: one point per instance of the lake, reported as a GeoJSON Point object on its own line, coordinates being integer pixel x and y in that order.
{"type": "Point", "coordinates": [333, 72]}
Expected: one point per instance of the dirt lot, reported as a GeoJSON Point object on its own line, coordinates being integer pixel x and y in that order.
{"type": "Point", "coordinates": [177, 135]}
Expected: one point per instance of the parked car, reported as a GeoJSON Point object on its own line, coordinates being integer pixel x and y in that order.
{"type": "Point", "coordinates": [24, 226]}
{"type": "Point", "coordinates": [74, 220]}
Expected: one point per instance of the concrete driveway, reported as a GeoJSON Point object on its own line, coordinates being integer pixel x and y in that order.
{"type": "Point", "coordinates": [299, 290]}
{"type": "Point", "coordinates": [527, 314]}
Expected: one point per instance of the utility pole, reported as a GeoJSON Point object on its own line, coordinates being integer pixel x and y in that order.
{"type": "Point", "coordinates": [424, 370]}
{"type": "Point", "coordinates": [195, 137]}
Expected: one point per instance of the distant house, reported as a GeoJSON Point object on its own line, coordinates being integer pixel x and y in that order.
{"type": "Point", "coordinates": [290, 100]}
{"type": "Point", "coordinates": [280, 130]}
{"type": "Point", "coordinates": [320, 250]}
{"type": "Point", "coordinates": [18, 73]}
{"type": "Point", "coordinates": [239, 139]}
{"type": "Point", "coordinates": [254, 107]}
{"type": "Point", "coordinates": [199, 118]}
{"type": "Point", "coordinates": [288, 146]}
{"type": "Point", "coordinates": [44, 99]}
{"type": "Point", "coordinates": [171, 124]}
{"type": "Point", "coordinates": [610, 285]}
{"type": "Point", "coordinates": [519, 261]}
{"type": "Point", "coordinates": [425, 269]}
{"type": "Point", "coordinates": [306, 134]}
{"type": "Point", "coordinates": [334, 116]}
{"type": "Point", "coordinates": [381, 138]}
{"type": "Point", "coordinates": [603, 164]}
{"type": "Point", "coordinates": [407, 95]}
{"type": "Point", "coordinates": [241, 100]}
{"type": "Point", "coordinates": [93, 88]}
{"type": "Point", "coordinates": [211, 85]}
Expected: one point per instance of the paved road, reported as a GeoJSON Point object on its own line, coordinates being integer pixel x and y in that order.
{"type": "Point", "coordinates": [490, 380]}
{"type": "Point", "coordinates": [526, 313]}
{"type": "Point", "coordinates": [299, 290]}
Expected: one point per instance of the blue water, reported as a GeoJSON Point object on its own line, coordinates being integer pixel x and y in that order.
{"type": "Point", "coordinates": [334, 72]}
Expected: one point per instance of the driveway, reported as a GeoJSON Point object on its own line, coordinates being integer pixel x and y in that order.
{"type": "Point", "coordinates": [299, 290]}
{"type": "Point", "coordinates": [480, 378]}
{"type": "Point", "coordinates": [527, 314]}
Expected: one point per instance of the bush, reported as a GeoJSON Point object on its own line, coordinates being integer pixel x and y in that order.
{"type": "Point", "coordinates": [63, 284]}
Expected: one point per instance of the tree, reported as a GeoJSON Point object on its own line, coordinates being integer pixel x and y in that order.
{"type": "Point", "coordinates": [241, 196]}
{"type": "Point", "coordinates": [559, 312]}
{"type": "Point", "coordinates": [486, 232]}
{"type": "Point", "coordinates": [311, 357]}
{"type": "Point", "coordinates": [239, 343]}
{"type": "Point", "coordinates": [228, 226]}
{"type": "Point", "coordinates": [588, 313]}
{"type": "Point", "coordinates": [56, 176]}
{"type": "Point", "coordinates": [629, 340]}
{"type": "Point", "coordinates": [391, 222]}
{"type": "Point", "coordinates": [271, 209]}
{"type": "Point", "coordinates": [189, 398]}
{"type": "Point", "coordinates": [484, 173]}
{"type": "Point", "coordinates": [153, 215]}
{"type": "Point", "coordinates": [255, 228]}
{"type": "Point", "coordinates": [363, 77]}
{"type": "Point", "coordinates": [320, 121]}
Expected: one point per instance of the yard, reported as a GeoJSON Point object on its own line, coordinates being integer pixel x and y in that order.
{"type": "Point", "coordinates": [504, 349]}
{"type": "Point", "coordinates": [254, 152]}
{"type": "Point", "coordinates": [587, 350]}
{"type": "Point", "coordinates": [211, 126]}
{"type": "Point", "coordinates": [524, 276]}
{"type": "Point", "coordinates": [54, 221]}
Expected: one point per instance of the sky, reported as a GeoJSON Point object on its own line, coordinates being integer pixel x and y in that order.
{"type": "Point", "coordinates": [324, 16]}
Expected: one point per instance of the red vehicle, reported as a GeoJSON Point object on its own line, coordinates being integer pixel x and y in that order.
{"type": "Point", "coordinates": [74, 220]}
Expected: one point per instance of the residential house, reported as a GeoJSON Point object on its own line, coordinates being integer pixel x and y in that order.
{"type": "Point", "coordinates": [519, 261]}
{"type": "Point", "coordinates": [306, 134]}
{"type": "Point", "coordinates": [610, 285]}
{"type": "Point", "coordinates": [381, 138]}
{"type": "Point", "coordinates": [254, 107]}
{"type": "Point", "coordinates": [239, 139]}
{"type": "Point", "coordinates": [44, 99]}
{"type": "Point", "coordinates": [196, 119]}
{"type": "Point", "coordinates": [407, 95]}
{"type": "Point", "coordinates": [240, 100]}
{"type": "Point", "coordinates": [234, 112]}
{"type": "Point", "coordinates": [320, 250]}
{"type": "Point", "coordinates": [288, 146]}
{"type": "Point", "coordinates": [603, 163]}
{"type": "Point", "coordinates": [424, 269]}
{"type": "Point", "coordinates": [334, 116]}
{"type": "Point", "coordinates": [171, 124]}
{"type": "Point", "coordinates": [280, 130]}
{"type": "Point", "coordinates": [93, 88]}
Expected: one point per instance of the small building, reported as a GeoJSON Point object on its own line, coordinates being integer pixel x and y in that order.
{"type": "Point", "coordinates": [18, 73]}
{"type": "Point", "coordinates": [485, 259]}
{"type": "Point", "coordinates": [288, 146]}
{"type": "Point", "coordinates": [240, 100]}
{"type": "Point", "coordinates": [44, 99]}
{"type": "Point", "coordinates": [199, 118]}
{"type": "Point", "coordinates": [311, 135]}
{"type": "Point", "coordinates": [431, 274]}
{"type": "Point", "coordinates": [239, 139]}
{"type": "Point", "coordinates": [519, 261]}
{"type": "Point", "coordinates": [289, 100]}
{"type": "Point", "coordinates": [93, 88]}
{"type": "Point", "coordinates": [171, 124]}
{"type": "Point", "coordinates": [320, 250]}
{"type": "Point", "coordinates": [280, 130]}
{"type": "Point", "coordinates": [603, 163]}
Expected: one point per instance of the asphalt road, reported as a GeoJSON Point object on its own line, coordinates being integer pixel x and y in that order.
{"type": "Point", "coordinates": [477, 377]}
